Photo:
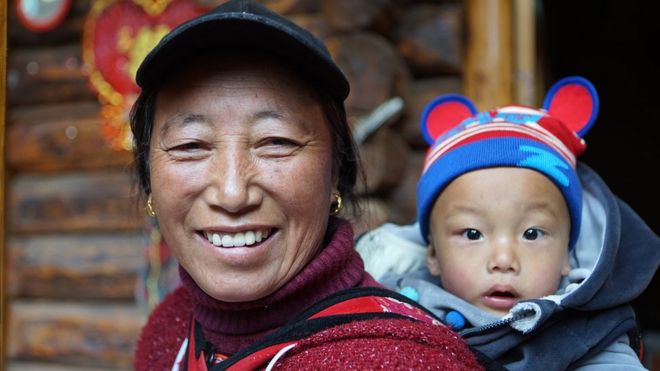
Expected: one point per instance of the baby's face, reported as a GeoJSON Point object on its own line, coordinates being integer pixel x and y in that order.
{"type": "Point", "coordinates": [499, 235]}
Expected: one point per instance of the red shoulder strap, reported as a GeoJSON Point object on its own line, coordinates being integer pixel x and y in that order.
{"type": "Point", "coordinates": [343, 307]}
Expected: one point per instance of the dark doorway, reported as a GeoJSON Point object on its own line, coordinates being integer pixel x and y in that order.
{"type": "Point", "coordinates": [612, 42]}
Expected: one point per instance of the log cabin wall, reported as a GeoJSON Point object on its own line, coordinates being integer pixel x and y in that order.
{"type": "Point", "coordinates": [75, 238]}
{"type": "Point", "coordinates": [3, 63]}
{"type": "Point", "coordinates": [74, 232]}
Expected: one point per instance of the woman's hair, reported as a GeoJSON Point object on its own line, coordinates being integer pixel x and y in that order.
{"type": "Point", "coordinates": [346, 162]}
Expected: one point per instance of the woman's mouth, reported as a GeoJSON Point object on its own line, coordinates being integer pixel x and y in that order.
{"type": "Point", "coordinates": [238, 239]}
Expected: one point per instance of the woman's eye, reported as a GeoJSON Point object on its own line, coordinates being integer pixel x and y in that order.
{"type": "Point", "coordinates": [189, 150]}
{"type": "Point", "coordinates": [279, 142]}
{"type": "Point", "coordinates": [533, 234]}
{"type": "Point", "coordinates": [471, 234]}
{"type": "Point", "coordinates": [277, 147]}
{"type": "Point", "coordinates": [186, 146]}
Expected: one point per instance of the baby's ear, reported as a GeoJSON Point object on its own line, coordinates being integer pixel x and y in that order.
{"type": "Point", "coordinates": [574, 101]}
{"type": "Point", "coordinates": [443, 113]}
{"type": "Point", "coordinates": [432, 263]}
{"type": "Point", "coordinates": [566, 267]}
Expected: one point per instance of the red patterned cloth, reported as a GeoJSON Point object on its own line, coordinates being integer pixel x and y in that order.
{"type": "Point", "coordinates": [392, 344]}
{"type": "Point", "coordinates": [233, 326]}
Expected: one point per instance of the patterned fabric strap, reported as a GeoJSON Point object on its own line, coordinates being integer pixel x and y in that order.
{"type": "Point", "coordinates": [346, 306]}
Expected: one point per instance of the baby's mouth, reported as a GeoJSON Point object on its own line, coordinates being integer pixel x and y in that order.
{"type": "Point", "coordinates": [501, 298]}
{"type": "Point", "coordinates": [246, 238]}
{"type": "Point", "coordinates": [502, 294]}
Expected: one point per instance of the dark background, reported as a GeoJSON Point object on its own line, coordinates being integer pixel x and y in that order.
{"type": "Point", "coordinates": [613, 44]}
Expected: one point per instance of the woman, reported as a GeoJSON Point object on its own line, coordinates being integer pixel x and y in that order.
{"type": "Point", "coordinates": [243, 149]}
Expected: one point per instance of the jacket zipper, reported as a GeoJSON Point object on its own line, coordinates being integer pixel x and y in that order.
{"type": "Point", "coordinates": [503, 322]}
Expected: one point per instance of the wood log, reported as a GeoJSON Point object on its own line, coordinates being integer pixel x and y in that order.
{"type": "Point", "coordinates": [374, 69]}
{"type": "Point", "coordinates": [402, 200]}
{"type": "Point", "coordinates": [429, 38]}
{"type": "Point", "coordinates": [314, 23]}
{"type": "Point", "coordinates": [94, 201]}
{"type": "Point", "coordinates": [288, 7]}
{"type": "Point", "coordinates": [101, 266]}
{"type": "Point", "coordinates": [489, 60]}
{"type": "Point", "coordinates": [525, 75]}
{"type": "Point", "coordinates": [59, 137]}
{"type": "Point", "coordinates": [35, 366]}
{"type": "Point", "coordinates": [47, 75]}
{"type": "Point", "coordinates": [383, 158]}
{"type": "Point", "coordinates": [374, 213]}
{"type": "Point", "coordinates": [350, 15]}
{"type": "Point", "coordinates": [3, 59]}
{"type": "Point", "coordinates": [423, 92]}
{"type": "Point", "coordinates": [83, 334]}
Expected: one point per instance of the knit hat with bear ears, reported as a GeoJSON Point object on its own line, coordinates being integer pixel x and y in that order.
{"type": "Point", "coordinates": [547, 140]}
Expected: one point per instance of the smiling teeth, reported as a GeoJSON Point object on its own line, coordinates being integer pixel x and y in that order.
{"type": "Point", "coordinates": [239, 239]}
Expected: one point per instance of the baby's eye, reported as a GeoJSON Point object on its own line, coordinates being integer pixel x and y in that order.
{"type": "Point", "coordinates": [471, 234]}
{"type": "Point", "coordinates": [533, 234]}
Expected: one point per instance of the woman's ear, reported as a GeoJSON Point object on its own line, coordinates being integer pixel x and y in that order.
{"type": "Point", "coordinates": [432, 262]}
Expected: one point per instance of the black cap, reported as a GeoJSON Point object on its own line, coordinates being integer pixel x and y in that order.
{"type": "Point", "coordinates": [244, 24]}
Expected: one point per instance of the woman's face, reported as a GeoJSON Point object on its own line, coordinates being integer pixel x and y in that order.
{"type": "Point", "coordinates": [241, 174]}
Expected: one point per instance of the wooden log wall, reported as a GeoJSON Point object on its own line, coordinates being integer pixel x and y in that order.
{"type": "Point", "coordinates": [3, 59]}
{"type": "Point", "coordinates": [75, 233]}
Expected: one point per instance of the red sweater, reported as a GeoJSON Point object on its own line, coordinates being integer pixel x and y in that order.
{"type": "Point", "coordinates": [233, 326]}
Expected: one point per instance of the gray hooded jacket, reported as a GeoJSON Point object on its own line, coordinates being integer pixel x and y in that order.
{"type": "Point", "coordinates": [584, 325]}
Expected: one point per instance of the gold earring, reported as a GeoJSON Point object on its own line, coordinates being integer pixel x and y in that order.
{"type": "Point", "coordinates": [336, 208]}
{"type": "Point", "coordinates": [150, 208]}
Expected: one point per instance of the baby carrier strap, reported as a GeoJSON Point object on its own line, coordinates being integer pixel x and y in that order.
{"type": "Point", "coordinates": [356, 304]}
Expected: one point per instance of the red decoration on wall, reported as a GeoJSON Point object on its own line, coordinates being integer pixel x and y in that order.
{"type": "Point", "coordinates": [42, 15]}
{"type": "Point", "coordinates": [117, 35]}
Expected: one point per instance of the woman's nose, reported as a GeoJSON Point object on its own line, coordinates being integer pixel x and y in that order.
{"type": "Point", "coordinates": [229, 181]}
{"type": "Point", "coordinates": [503, 257]}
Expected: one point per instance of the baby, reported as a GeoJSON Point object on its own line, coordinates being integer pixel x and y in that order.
{"type": "Point", "coordinates": [500, 207]}
{"type": "Point", "coordinates": [499, 200]}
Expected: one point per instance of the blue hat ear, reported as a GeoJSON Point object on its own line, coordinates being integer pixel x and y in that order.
{"type": "Point", "coordinates": [443, 114]}
{"type": "Point", "coordinates": [574, 101]}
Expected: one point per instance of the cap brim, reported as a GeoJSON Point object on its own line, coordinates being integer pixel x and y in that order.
{"type": "Point", "coordinates": [214, 31]}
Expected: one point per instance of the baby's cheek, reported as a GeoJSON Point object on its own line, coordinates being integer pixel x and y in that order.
{"type": "Point", "coordinates": [545, 282]}
{"type": "Point", "coordinates": [460, 282]}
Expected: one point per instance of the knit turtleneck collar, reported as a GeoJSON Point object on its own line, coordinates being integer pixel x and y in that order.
{"type": "Point", "coordinates": [231, 326]}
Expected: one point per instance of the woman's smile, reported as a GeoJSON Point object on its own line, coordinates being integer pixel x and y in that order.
{"type": "Point", "coordinates": [243, 169]}
{"type": "Point", "coordinates": [245, 238]}
{"type": "Point", "coordinates": [243, 257]}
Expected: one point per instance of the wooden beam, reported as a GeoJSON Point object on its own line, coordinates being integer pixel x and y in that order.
{"type": "Point", "coordinates": [3, 58]}
{"type": "Point", "coordinates": [38, 366]}
{"type": "Point", "coordinates": [73, 202]}
{"type": "Point", "coordinates": [99, 266]}
{"type": "Point", "coordinates": [524, 39]}
{"type": "Point", "coordinates": [52, 74]}
{"type": "Point", "coordinates": [489, 58]}
{"type": "Point", "coordinates": [59, 137]}
{"type": "Point", "coordinates": [75, 333]}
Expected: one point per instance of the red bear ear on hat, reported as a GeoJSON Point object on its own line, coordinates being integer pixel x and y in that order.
{"type": "Point", "coordinates": [574, 101]}
{"type": "Point", "coordinates": [443, 113]}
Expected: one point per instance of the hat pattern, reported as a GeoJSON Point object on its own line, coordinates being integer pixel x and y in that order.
{"type": "Point", "coordinates": [547, 140]}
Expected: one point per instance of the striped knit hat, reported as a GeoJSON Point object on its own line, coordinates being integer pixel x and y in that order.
{"type": "Point", "coordinates": [547, 140]}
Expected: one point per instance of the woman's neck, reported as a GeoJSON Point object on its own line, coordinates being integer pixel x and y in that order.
{"type": "Point", "coordinates": [232, 326]}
